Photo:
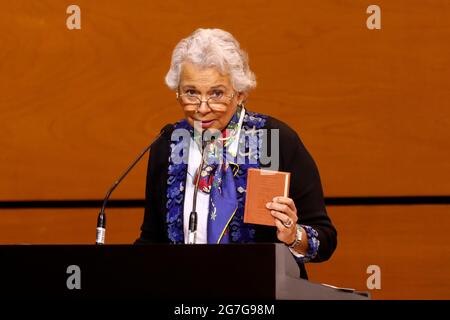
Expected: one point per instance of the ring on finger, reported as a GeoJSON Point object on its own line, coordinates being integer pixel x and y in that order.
{"type": "Point", "coordinates": [288, 223]}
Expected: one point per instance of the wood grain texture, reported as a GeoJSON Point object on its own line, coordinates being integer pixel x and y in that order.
{"type": "Point", "coordinates": [408, 243]}
{"type": "Point", "coordinates": [77, 106]}
{"type": "Point", "coordinates": [68, 226]}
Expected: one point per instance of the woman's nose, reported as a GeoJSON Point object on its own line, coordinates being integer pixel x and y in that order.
{"type": "Point", "coordinates": [203, 108]}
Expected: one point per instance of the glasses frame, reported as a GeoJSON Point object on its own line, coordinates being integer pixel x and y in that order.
{"type": "Point", "coordinates": [200, 100]}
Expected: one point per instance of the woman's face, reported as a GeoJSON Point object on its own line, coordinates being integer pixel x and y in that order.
{"type": "Point", "coordinates": [208, 82]}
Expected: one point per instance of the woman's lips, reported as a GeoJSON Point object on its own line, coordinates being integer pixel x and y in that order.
{"type": "Point", "coordinates": [207, 124]}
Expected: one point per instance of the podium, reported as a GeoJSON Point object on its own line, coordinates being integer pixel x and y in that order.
{"type": "Point", "coordinates": [159, 271]}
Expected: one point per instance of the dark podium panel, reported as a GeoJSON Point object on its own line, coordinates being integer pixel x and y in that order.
{"type": "Point", "coordinates": [166, 272]}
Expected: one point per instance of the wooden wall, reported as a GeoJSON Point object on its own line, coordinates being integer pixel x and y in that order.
{"type": "Point", "coordinates": [372, 106]}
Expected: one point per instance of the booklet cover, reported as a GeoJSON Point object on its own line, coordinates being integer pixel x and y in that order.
{"type": "Point", "coordinates": [262, 187]}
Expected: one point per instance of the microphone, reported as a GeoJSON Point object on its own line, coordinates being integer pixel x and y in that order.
{"type": "Point", "coordinates": [192, 231]}
{"type": "Point", "coordinates": [101, 220]}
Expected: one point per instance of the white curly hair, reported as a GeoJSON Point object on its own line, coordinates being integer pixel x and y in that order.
{"type": "Point", "coordinates": [212, 48]}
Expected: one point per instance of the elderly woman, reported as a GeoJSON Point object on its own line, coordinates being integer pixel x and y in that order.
{"type": "Point", "coordinates": [211, 77]}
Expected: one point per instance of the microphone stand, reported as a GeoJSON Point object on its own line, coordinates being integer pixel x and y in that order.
{"type": "Point", "coordinates": [192, 231]}
{"type": "Point", "coordinates": [101, 220]}
{"type": "Point", "coordinates": [192, 234]}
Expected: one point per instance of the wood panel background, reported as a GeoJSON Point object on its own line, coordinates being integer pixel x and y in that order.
{"type": "Point", "coordinates": [408, 243]}
{"type": "Point", "coordinates": [372, 107]}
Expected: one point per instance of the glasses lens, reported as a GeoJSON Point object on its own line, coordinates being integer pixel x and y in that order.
{"type": "Point", "coordinates": [189, 102]}
{"type": "Point", "coordinates": [218, 103]}
{"type": "Point", "coordinates": [215, 103]}
{"type": "Point", "coordinates": [186, 99]}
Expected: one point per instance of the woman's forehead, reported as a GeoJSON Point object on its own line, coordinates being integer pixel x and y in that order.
{"type": "Point", "coordinates": [193, 75]}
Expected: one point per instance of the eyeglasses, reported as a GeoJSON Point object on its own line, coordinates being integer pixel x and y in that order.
{"type": "Point", "coordinates": [216, 102]}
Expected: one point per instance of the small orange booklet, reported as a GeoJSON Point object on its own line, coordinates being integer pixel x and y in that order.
{"type": "Point", "coordinates": [262, 187]}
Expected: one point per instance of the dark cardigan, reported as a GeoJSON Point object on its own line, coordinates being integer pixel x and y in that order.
{"type": "Point", "coordinates": [305, 190]}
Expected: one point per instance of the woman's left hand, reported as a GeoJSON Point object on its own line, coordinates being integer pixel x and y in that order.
{"type": "Point", "coordinates": [285, 213]}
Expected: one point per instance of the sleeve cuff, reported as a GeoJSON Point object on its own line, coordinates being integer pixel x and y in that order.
{"type": "Point", "coordinates": [313, 245]}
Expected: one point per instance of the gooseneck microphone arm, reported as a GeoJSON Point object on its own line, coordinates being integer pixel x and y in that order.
{"type": "Point", "coordinates": [192, 231]}
{"type": "Point", "coordinates": [101, 220]}
{"type": "Point", "coordinates": [192, 234]}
